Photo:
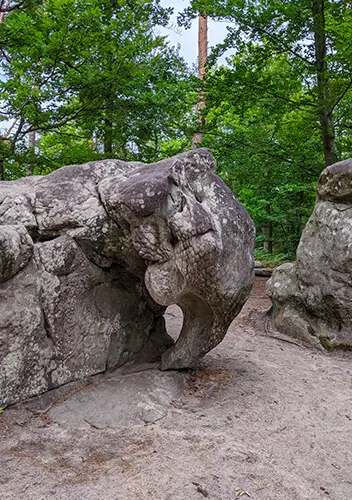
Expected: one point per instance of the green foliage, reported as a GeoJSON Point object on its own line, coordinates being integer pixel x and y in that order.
{"type": "Point", "coordinates": [313, 36]}
{"type": "Point", "coordinates": [101, 84]}
{"type": "Point", "coordinates": [95, 80]}
{"type": "Point", "coordinates": [267, 149]}
{"type": "Point", "coordinates": [271, 259]}
{"type": "Point", "coordinates": [65, 146]}
{"type": "Point", "coordinates": [274, 111]}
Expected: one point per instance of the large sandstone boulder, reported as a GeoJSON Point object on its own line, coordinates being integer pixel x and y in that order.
{"type": "Point", "coordinates": [312, 299]}
{"type": "Point", "coordinates": [91, 255]}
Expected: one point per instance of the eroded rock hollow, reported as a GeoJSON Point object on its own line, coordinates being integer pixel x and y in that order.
{"type": "Point", "coordinates": [91, 255]}
{"type": "Point", "coordinates": [312, 299]}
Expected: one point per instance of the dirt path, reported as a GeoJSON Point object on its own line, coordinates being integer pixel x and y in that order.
{"type": "Point", "coordinates": [260, 416]}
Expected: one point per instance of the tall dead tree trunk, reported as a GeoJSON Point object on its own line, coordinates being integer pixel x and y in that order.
{"type": "Point", "coordinates": [202, 61]}
{"type": "Point", "coordinates": [326, 118]}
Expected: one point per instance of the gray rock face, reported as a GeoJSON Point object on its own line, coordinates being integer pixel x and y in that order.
{"type": "Point", "coordinates": [91, 255]}
{"type": "Point", "coordinates": [312, 299]}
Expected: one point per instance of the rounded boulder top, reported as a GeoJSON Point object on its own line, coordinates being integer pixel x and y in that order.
{"type": "Point", "coordinates": [335, 183]}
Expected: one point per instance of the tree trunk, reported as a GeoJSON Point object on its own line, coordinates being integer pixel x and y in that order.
{"type": "Point", "coordinates": [268, 233]}
{"type": "Point", "coordinates": [31, 146]}
{"type": "Point", "coordinates": [202, 61]}
{"type": "Point", "coordinates": [299, 213]}
{"type": "Point", "coordinates": [107, 136]}
{"type": "Point", "coordinates": [323, 86]}
{"type": "Point", "coordinates": [31, 141]}
{"type": "Point", "coordinates": [95, 143]}
{"type": "Point", "coordinates": [2, 172]}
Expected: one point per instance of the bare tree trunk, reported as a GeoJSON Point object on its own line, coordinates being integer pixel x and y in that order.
{"type": "Point", "coordinates": [323, 86]}
{"type": "Point", "coordinates": [202, 61]}
{"type": "Point", "coordinates": [268, 233]}
{"type": "Point", "coordinates": [202, 47]}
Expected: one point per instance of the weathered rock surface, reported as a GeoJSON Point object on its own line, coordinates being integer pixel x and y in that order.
{"type": "Point", "coordinates": [312, 299]}
{"type": "Point", "coordinates": [91, 255]}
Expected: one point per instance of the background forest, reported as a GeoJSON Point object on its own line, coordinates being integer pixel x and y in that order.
{"type": "Point", "coordinates": [87, 79]}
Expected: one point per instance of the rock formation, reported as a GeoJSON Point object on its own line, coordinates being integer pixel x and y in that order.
{"type": "Point", "coordinates": [312, 299]}
{"type": "Point", "coordinates": [91, 255]}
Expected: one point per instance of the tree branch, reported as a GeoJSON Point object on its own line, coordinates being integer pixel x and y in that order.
{"type": "Point", "coordinates": [17, 134]}
{"type": "Point", "coordinates": [284, 45]}
{"type": "Point", "coordinates": [262, 151]}
{"type": "Point", "coordinates": [340, 98]}
{"type": "Point", "coordinates": [53, 126]}
{"type": "Point", "coordinates": [9, 130]}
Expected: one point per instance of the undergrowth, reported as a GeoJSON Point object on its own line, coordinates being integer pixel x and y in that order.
{"type": "Point", "coordinates": [272, 259]}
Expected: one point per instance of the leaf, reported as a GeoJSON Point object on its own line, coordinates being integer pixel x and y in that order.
{"type": "Point", "coordinates": [239, 493]}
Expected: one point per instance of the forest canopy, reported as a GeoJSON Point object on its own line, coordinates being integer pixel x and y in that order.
{"type": "Point", "coordinates": [89, 79]}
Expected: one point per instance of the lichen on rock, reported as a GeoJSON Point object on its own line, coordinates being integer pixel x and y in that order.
{"type": "Point", "coordinates": [312, 299]}
{"type": "Point", "coordinates": [92, 254]}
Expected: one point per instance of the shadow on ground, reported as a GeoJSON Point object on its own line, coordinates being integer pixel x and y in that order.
{"type": "Point", "coordinates": [260, 415]}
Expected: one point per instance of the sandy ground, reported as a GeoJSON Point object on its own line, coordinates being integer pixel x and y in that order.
{"type": "Point", "coordinates": [260, 418]}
